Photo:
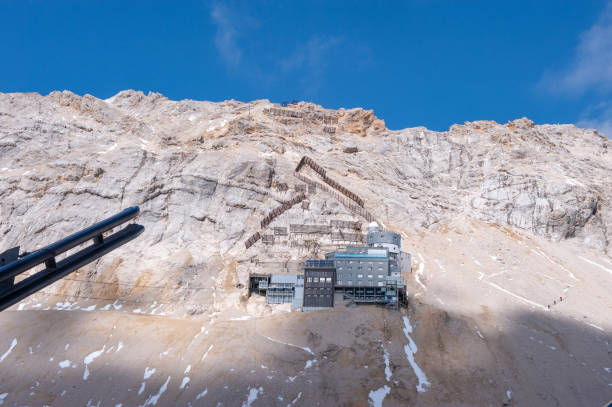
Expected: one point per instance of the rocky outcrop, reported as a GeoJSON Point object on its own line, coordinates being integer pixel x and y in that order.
{"type": "Point", "coordinates": [206, 174]}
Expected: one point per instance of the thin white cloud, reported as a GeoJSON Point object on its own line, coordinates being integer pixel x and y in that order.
{"type": "Point", "coordinates": [591, 67]}
{"type": "Point", "coordinates": [226, 38]}
{"type": "Point", "coordinates": [314, 54]}
{"type": "Point", "coordinates": [598, 117]}
{"type": "Point", "coordinates": [267, 61]}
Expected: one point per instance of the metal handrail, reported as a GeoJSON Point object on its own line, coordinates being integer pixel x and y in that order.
{"type": "Point", "coordinates": [11, 293]}
{"type": "Point", "coordinates": [49, 252]}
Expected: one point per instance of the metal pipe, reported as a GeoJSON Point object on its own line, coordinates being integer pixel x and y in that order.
{"type": "Point", "coordinates": [71, 263]}
{"type": "Point", "coordinates": [49, 252]}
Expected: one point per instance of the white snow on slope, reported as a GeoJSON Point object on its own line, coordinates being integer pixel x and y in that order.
{"type": "Point", "coordinates": [206, 354]}
{"type": "Point", "coordinates": [2, 397]}
{"type": "Point", "coordinates": [13, 344]}
{"type": "Point", "coordinates": [152, 400]}
{"type": "Point", "coordinates": [535, 304]}
{"type": "Point", "coordinates": [597, 327]}
{"type": "Point", "coordinates": [309, 363]}
{"type": "Point", "coordinates": [418, 274]}
{"type": "Point", "coordinates": [387, 367]}
{"type": "Point", "coordinates": [305, 348]}
{"type": "Point", "coordinates": [294, 400]}
{"type": "Point", "coordinates": [410, 350]}
{"type": "Point", "coordinates": [199, 396]}
{"type": "Point", "coordinates": [596, 264]}
{"type": "Point", "coordinates": [252, 396]}
{"type": "Point", "coordinates": [90, 358]}
{"type": "Point", "coordinates": [64, 364]}
{"type": "Point", "coordinates": [377, 396]}
{"type": "Point", "coordinates": [148, 372]}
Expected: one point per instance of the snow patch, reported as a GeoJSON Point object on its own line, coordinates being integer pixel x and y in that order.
{"type": "Point", "coordinates": [199, 396]}
{"type": "Point", "coordinates": [142, 387]}
{"type": "Point", "coordinates": [305, 348]}
{"type": "Point", "coordinates": [13, 344]}
{"type": "Point", "coordinates": [388, 372]}
{"type": "Point", "coordinates": [152, 400]}
{"type": "Point", "coordinates": [596, 264]}
{"type": "Point", "coordinates": [184, 382]}
{"type": "Point", "coordinates": [90, 358]}
{"type": "Point", "coordinates": [535, 304]}
{"type": "Point", "coordinates": [419, 273]}
{"type": "Point", "coordinates": [244, 318]}
{"type": "Point", "coordinates": [64, 364]}
{"type": "Point", "coordinates": [202, 331]}
{"type": "Point", "coordinates": [309, 363]}
{"type": "Point", "coordinates": [148, 372]}
{"type": "Point", "coordinates": [2, 397]}
{"type": "Point", "coordinates": [252, 396]}
{"type": "Point", "coordinates": [377, 396]}
{"type": "Point", "coordinates": [295, 399]}
{"type": "Point", "coordinates": [206, 353]}
{"type": "Point", "coordinates": [410, 349]}
{"type": "Point", "coordinates": [597, 327]}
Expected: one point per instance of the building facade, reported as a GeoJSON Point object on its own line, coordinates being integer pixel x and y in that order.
{"type": "Point", "coordinates": [360, 267]}
{"type": "Point", "coordinates": [318, 284]}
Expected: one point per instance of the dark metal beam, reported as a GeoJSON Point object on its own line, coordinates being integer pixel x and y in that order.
{"type": "Point", "coordinates": [11, 293]}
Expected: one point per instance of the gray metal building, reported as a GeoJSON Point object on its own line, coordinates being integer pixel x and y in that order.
{"type": "Point", "coordinates": [279, 288]}
{"type": "Point", "coordinates": [318, 284]}
{"type": "Point", "coordinates": [361, 267]}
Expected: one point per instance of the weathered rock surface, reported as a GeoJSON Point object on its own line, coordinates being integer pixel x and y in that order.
{"type": "Point", "coordinates": [508, 226]}
{"type": "Point", "coordinates": [206, 173]}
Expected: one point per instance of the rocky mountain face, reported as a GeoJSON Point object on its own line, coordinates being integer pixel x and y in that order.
{"type": "Point", "coordinates": [522, 197]}
{"type": "Point", "coordinates": [204, 174]}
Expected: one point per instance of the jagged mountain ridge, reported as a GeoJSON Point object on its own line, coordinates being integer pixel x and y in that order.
{"type": "Point", "coordinates": [496, 217]}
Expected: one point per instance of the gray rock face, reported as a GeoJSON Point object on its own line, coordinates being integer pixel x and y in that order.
{"type": "Point", "coordinates": [205, 174]}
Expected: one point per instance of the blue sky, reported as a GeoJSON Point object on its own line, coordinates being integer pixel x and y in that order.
{"type": "Point", "coordinates": [430, 63]}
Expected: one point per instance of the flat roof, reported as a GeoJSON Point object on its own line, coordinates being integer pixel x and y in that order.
{"type": "Point", "coordinates": [371, 255]}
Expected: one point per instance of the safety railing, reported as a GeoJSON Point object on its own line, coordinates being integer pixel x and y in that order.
{"type": "Point", "coordinates": [11, 292]}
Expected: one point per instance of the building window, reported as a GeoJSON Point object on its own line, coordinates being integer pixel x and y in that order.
{"type": "Point", "coordinates": [339, 268]}
{"type": "Point", "coordinates": [349, 282]}
{"type": "Point", "coordinates": [339, 282]}
{"type": "Point", "coordinates": [309, 279]}
{"type": "Point", "coordinates": [370, 276]}
{"type": "Point", "coordinates": [380, 276]}
{"type": "Point", "coordinates": [316, 279]}
{"type": "Point", "coordinates": [359, 275]}
{"type": "Point", "coordinates": [328, 279]}
{"type": "Point", "coordinates": [380, 284]}
{"type": "Point", "coordinates": [380, 269]}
